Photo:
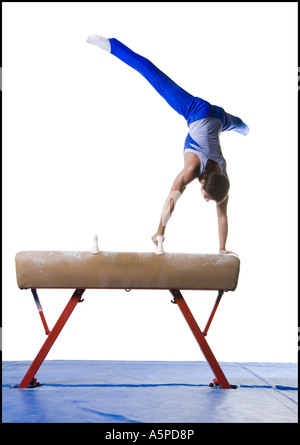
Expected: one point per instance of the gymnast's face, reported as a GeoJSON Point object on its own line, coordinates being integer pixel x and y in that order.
{"type": "Point", "coordinates": [205, 195]}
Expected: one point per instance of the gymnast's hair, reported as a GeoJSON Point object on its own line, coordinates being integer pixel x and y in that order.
{"type": "Point", "coordinates": [217, 186]}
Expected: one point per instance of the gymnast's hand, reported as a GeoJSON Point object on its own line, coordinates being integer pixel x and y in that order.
{"type": "Point", "coordinates": [227, 252]}
{"type": "Point", "coordinates": [155, 236]}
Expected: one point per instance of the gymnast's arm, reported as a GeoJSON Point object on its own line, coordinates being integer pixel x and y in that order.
{"type": "Point", "coordinates": [223, 225]}
{"type": "Point", "coordinates": [187, 175]}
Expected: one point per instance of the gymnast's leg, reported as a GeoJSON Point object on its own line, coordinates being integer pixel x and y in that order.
{"type": "Point", "coordinates": [180, 100]}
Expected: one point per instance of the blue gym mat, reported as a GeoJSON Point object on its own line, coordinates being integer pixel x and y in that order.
{"type": "Point", "coordinates": [95, 391]}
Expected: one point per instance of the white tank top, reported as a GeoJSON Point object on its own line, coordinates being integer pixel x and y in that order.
{"type": "Point", "coordinates": [205, 132]}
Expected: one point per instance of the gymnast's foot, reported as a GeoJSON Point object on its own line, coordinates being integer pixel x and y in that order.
{"type": "Point", "coordinates": [100, 41]}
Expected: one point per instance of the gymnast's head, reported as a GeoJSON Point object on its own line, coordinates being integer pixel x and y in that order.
{"type": "Point", "coordinates": [215, 187]}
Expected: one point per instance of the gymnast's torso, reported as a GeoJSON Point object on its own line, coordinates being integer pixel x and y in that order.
{"type": "Point", "coordinates": [203, 140]}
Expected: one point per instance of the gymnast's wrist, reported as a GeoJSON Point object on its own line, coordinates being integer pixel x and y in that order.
{"type": "Point", "coordinates": [160, 231]}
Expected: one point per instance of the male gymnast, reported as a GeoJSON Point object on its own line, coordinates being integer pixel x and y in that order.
{"type": "Point", "coordinates": [203, 158]}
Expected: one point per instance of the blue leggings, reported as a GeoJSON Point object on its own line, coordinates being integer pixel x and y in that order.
{"type": "Point", "coordinates": [190, 107]}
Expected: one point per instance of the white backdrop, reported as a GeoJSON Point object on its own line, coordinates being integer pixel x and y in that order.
{"type": "Point", "coordinates": [90, 148]}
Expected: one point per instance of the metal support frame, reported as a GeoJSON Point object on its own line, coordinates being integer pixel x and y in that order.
{"type": "Point", "coordinates": [29, 379]}
{"type": "Point", "coordinates": [40, 309]}
{"type": "Point", "coordinates": [221, 292]}
{"type": "Point", "coordinates": [199, 336]}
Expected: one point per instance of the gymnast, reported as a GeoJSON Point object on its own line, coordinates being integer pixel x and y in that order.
{"type": "Point", "coordinates": [203, 158]}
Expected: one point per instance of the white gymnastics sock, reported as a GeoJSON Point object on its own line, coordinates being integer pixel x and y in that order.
{"type": "Point", "coordinates": [100, 41]}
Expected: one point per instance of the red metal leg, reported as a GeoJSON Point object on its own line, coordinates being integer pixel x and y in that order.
{"type": "Point", "coordinates": [29, 378]}
{"type": "Point", "coordinates": [220, 377]}
{"type": "Point", "coordinates": [221, 292]}
{"type": "Point", "coordinates": [40, 309]}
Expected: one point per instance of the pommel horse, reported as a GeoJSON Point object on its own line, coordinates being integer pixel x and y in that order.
{"type": "Point", "coordinates": [126, 270]}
